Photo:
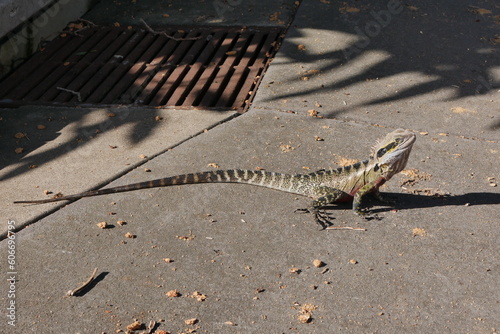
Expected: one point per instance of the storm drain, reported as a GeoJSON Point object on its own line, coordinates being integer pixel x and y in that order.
{"type": "Point", "coordinates": [199, 67]}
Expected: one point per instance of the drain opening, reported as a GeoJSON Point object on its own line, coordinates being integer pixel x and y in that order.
{"type": "Point", "coordinates": [201, 68]}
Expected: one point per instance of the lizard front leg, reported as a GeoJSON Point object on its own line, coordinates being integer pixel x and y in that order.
{"type": "Point", "coordinates": [379, 197]}
{"type": "Point", "coordinates": [370, 187]}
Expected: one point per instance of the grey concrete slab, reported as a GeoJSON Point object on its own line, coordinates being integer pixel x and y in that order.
{"type": "Point", "coordinates": [70, 150]}
{"type": "Point", "coordinates": [194, 12]}
{"type": "Point", "coordinates": [24, 26]}
{"type": "Point", "coordinates": [420, 66]}
{"type": "Point", "coordinates": [16, 13]}
{"type": "Point", "coordinates": [430, 266]}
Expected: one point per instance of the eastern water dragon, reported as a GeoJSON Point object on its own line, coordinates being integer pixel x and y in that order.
{"type": "Point", "coordinates": [349, 183]}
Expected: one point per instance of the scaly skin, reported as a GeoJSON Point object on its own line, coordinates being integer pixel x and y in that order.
{"type": "Point", "coordinates": [353, 182]}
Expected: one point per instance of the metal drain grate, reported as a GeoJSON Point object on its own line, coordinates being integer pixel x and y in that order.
{"type": "Point", "coordinates": [111, 65]}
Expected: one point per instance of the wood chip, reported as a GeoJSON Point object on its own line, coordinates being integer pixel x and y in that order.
{"type": "Point", "coordinates": [130, 235]}
{"type": "Point", "coordinates": [198, 296]}
{"type": "Point", "coordinates": [173, 293]}
{"type": "Point", "coordinates": [186, 237]}
{"type": "Point", "coordinates": [304, 318]}
{"type": "Point", "coordinates": [417, 231]}
{"type": "Point", "coordinates": [136, 325]}
{"type": "Point", "coordinates": [286, 148]}
{"type": "Point", "coordinates": [318, 263]}
{"type": "Point", "coordinates": [102, 225]}
{"type": "Point", "coordinates": [305, 313]}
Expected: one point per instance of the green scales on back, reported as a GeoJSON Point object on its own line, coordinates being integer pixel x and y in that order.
{"type": "Point", "coordinates": [389, 157]}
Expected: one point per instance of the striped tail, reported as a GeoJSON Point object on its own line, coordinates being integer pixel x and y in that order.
{"type": "Point", "coordinates": [272, 180]}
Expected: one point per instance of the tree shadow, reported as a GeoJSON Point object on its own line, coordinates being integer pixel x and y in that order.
{"type": "Point", "coordinates": [446, 46]}
{"type": "Point", "coordinates": [23, 135]}
{"type": "Point", "coordinates": [450, 45]}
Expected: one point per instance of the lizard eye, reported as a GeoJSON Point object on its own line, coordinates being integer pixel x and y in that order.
{"type": "Point", "coordinates": [381, 152]}
{"type": "Point", "coordinates": [386, 149]}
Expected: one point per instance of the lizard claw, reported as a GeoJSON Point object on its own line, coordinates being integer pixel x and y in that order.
{"type": "Point", "coordinates": [320, 216]}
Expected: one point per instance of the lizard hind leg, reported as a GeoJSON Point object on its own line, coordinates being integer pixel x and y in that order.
{"type": "Point", "coordinates": [320, 216]}
{"type": "Point", "coordinates": [327, 196]}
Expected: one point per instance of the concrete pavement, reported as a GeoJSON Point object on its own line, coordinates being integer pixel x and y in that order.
{"type": "Point", "coordinates": [240, 258]}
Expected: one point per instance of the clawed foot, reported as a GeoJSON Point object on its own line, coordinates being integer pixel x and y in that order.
{"type": "Point", "coordinates": [320, 216]}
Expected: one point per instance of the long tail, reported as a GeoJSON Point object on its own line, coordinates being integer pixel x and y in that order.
{"type": "Point", "coordinates": [258, 178]}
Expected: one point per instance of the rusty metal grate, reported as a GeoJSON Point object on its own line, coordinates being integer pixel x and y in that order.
{"type": "Point", "coordinates": [112, 65]}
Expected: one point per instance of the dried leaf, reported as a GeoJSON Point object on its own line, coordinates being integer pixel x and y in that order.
{"type": "Point", "coordinates": [313, 112]}
{"type": "Point", "coordinates": [173, 293]}
{"type": "Point", "coordinates": [286, 148]}
{"type": "Point", "coordinates": [480, 11]}
{"type": "Point", "coordinates": [129, 235]}
{"type": "Point", "coordinates": [460, 110]}
{"type": "Point", "coordinates": [349, 9]}
{"type": "Point", "coordinates": [199, 296]}
{"type": "Point", "coordinates": [318, 263]}
{"type": "Point", "coordinates": [136, 325]}
{"type": "Point", "coordinates": [102, 225]}
{"type": "Point", "coordinates": [417, 231]}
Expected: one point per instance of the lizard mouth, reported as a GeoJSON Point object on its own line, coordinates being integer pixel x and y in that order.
{"type": "Point", "coordinates": [409, 140]}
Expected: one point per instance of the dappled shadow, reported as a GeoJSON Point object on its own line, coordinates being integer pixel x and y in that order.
{"type": "Point", "coordinates": [441, 45]}
{"type": "Point", "coordinates": [27, 132]}
{"type": "Point", "coordinates": [448, 45]}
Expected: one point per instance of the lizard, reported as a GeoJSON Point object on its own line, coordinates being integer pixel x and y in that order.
{"type": "Point", "coordinates": [349, 183]}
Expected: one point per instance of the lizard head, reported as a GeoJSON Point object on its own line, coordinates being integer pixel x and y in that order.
{"type": "Point", "coordinates": [393, 151]}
